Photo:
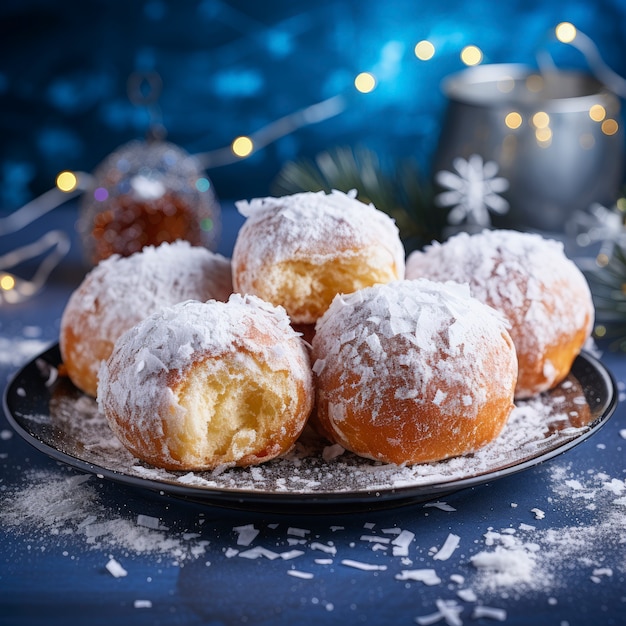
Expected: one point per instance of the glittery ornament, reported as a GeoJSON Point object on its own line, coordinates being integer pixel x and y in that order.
{"type": "Point", "coordinates": [146, 193]}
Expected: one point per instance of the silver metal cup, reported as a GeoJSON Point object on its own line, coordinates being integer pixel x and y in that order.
{"type": "Point", "coordinates": [532, 148]}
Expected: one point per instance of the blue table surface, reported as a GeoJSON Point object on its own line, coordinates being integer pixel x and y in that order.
{"type": "Point", "coordinates": [78, 549]}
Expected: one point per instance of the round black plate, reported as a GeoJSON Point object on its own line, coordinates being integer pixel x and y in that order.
{"type": "Point", "coordinates": [57, 419]}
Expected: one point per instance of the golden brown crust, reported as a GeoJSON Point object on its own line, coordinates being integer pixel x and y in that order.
{"type": "Point", "coordinates": [204, 385]}
{"type": "Point", "coordinates": [300, 251]}
{"type": "Point", "coordinates": [420, 394]}
{"type": "Point", "coordinates": [120, 292]}
{"type": "Point", "coordinates": [542, 293]}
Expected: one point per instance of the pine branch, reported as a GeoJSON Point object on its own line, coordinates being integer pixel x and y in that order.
{"type": "Point", "coordinates": [608, 288]}
{"type": "Point", "coordinates": [396, 189]}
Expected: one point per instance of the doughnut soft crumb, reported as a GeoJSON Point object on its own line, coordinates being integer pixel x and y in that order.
{"type": "Point", "coordinates": [199, 386]}
{"type": "Point", "coordinates": [300, 251]}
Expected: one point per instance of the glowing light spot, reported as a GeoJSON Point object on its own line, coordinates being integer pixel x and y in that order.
{"type": "Point", "coordinates": [597, 112]}
{"type": "Point", "coordinates": [541, 119]}
{"type": "Point", "coordinates": [543, 135]}
{"type": "Point", "coordinates": [565, 32]}
{"type": "Point", "coordinates": [609, 127]}
{"type": "Point", "coordinates": [424, 50]}
{"type": "Point", "coordinates": [471, 55]}
{"type": "Point", "coordinates": [365, 82]}
{"type": "Point", "coordinates": [506, 84]}
{"type": "Point", "coordinates": [534, 83]}
{"type": "Point", "coordinates": [242, 146]}
{"type": "Point", "coordinates": [587, 141]}
{"type": "Point", "coordinates": [621, 204]}
{"type": "Point", "coordinates": [602, 260]}
{"type": "Point", "coordinates": [7, 282]}
{"type": "Point", "coordinates": [100, 194]}
{"type": "Point", "coordinates": [600, 330]}
{"type": "Point", "coordinates": [513, 120]}
{"type": "Point", "coordinates": [67, 181]}
{"type": "Point", "coordinates": [203, 184]}
{"type": "Point", "coordinates": [206, 224]}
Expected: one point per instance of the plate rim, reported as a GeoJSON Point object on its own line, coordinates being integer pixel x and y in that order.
{"type": "Point", "coordinates": [375, 497]}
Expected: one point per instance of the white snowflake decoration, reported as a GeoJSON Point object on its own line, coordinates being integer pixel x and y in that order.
{"type": "Point", "coordinates": [599, 224]}
{"type": "Point", "coordinates": [473, 191]}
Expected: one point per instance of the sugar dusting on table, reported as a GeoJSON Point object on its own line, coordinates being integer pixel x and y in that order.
{"type": "Point", "coordinates": [68, 505]}
{"type": "Point", "coordinates": [17, 350]}
{"type": "Point", "coordinates": [477, 572]}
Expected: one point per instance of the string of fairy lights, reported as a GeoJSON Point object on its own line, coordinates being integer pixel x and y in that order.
{"type": "Point", "coordinates": [54, 245]}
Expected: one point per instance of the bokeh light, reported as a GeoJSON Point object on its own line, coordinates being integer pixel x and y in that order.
{"type": "Point", "coordinates": [7, 282]}
{"type": "Point", "coordinates": [424, 50]}
{"type": "Point", "coordinates": [534, 83]}
{"type": "Point", "coordinates": [541, 119]}
{"type": "Point", "coordinates": [609, 127]}
{"type": "Point", "coordinates": [602, 260]}
{"type": "Point", "coordinates": [242, 146]}
{"type": "Point", "coordinates": [203, 184]}
{"type": "Point", "coordinates": [587, 141]}
{"type": "Point", "coordinates": [544, 136]}
{"type": "Point", "coordinates": [565, 32]}
{"type": "Point", "coordinates": [597, 112]}
{"type": "Point", "coordinates": [207, 224]}
{"type": "Point", "coordinates": [100, 194]}
{"type": "Point", "coordinates": [471, 55]}
{"type": "Point", "coordinates": [506, 84]}
{"type": "Point", "coordinates": [365, 82]}
{"type": "Point", "coordinates": [513, 120]}
{"type": "Point", "coordinates": [67, 181]}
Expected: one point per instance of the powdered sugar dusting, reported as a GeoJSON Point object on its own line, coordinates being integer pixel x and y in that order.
{"type": "Point", "coordinates": [489, 570]}
{"type": "Point", "coordinates": [527, 277]}
{"type": "Point", "coordinates": [121, 291]}
{"type": "Point", "coordinates": [313, 226]}
{"type": "Point", "coordinates": [419, 348]}
{"type": "Point", "coordinates": [538, 557]}
{"type": "Point", "coordinates": [149, 361]}
{"type": "Point", "coordinates": [17, 350]}
{"type": "Point", "coordinates": [429, 319]}
{"type": "Point", "coordinates": [69, 505]}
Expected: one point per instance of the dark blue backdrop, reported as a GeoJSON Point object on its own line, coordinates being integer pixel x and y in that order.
{"type": "Point", "coordinates": [231, 67]}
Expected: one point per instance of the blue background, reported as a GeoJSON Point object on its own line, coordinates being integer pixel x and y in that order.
{"type": "Point", "coordinates": [230, 68]}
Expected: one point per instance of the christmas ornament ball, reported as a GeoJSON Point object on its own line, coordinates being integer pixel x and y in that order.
{"type": "Point", "coordinates": [146, 193]}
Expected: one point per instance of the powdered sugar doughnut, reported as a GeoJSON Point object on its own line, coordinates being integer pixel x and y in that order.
{"type": "Point", "coordinates": [203, 385]}
{"type": "Point", "coordinates": [412, 372]}
{"type": "Point", "coordinates": [544, 296]}
{"type": "Point", "coordinates": [121, 291]}
{"type": "Point", "coordinates": [300, 251]}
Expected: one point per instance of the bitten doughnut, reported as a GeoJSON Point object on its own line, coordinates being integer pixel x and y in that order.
{"type": "Point", "coordinates": [412, 372]}
{"type": "Point", "coordinates": [121, 291]}
{"type": "Point", "coordinates": [544, 296]}
{"type": "Point", "coordinates": [300, 251]}
{"type": "Point", "coordinates": [199, 386]}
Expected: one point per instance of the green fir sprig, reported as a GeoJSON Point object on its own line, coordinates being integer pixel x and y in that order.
{"type": "Point", "coordinates": [608, 288]}
{"type": "Point", "coordinates": [396, 188]}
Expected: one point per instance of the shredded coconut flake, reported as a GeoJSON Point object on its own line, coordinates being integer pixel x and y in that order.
{"type": "Point", "coordinates": [427, 576]}
{"type": "Point", "coordinates": [115, 569]}
{"type": "Point", "coordinates": [366, 567]}
{"type": "Point", "coordinates": [450, 545]}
